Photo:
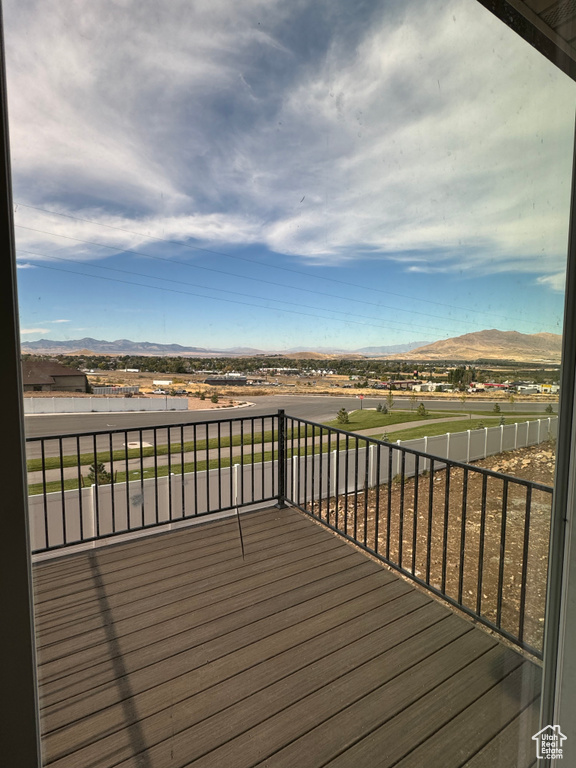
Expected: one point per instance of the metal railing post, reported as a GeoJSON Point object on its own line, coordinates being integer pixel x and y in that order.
{"type": "Point", "coordinates": [282, 459]}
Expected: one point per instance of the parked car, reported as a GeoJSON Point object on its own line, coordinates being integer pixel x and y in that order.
{"type": "Point", "coordinates": [159, 392]}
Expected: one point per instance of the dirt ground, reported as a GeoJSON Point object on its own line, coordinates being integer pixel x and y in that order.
{"type": "Point", "coordinates": [474, 519]}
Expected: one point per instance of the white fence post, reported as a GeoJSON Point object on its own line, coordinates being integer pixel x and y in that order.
{"type": "Point", "coordinates": [515, 435]}
{"type": "Point", "coordinates": [294, 476]}
{"type": "Point", "coordinates": [426, 451]}
{"type": "Point", "coordinates": [468, 448]}
{"type": "Point", "coordinates": [90, 527]}
{"type": "Point", "coordinates": [371, 466]}
{"type": "Point", "coordinates": [398, 442]}
{"type": "Point", "coordinates": [539, 421]}
{"type": "Point", "coordinates": [447, 445]}
{"type": "Point", "coordinates": [485, 442]}
{"type": "Point", "coordinates": [501, 437]}
{"type": "Point", "coordinates": [334, 467]}
{"type": "Point", "coordinates": [235, 485]}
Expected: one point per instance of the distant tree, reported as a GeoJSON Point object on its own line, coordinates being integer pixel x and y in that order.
{"type": "Point", "coordinates": [412, 399]}
{"type": "Point", "coordinates": [202, 395]}
{"type": "Point", "coordinates": [496, 408]}
{"type": "Point", "coordinates": [502, 421]}
{"type": "Point", "coordinates": [549, 408]}
{"type": "Point", "coordinates": [390, 401]}
{"type": "Point", "coordinates": [98, 470]}
{"type": "Point", "coordinates": [342, 416]}
{"type": "Point", "coordinates": [421, 411]}
{"type": "Point", "coordinates": [214, 397]}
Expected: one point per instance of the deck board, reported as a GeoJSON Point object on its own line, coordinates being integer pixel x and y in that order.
{"type": "Point", "coordinates": [171, 651]}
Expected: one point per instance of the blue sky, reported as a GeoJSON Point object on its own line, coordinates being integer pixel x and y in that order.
{"type": "Point", "coordinates": [273, 174]}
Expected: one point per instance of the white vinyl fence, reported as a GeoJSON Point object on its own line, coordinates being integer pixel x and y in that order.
{"type": "Point", "coordinates": [102, 404]}
{"type": "Point", "coordinates": [102, 512]}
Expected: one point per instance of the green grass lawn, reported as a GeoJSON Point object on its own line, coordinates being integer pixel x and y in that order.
{"type": "Point", "coordinates": [430, 430]}
{"type": "Point", "coordinates": [120, 455]}
{"type": "Point", "coordinates": [134, 476]}
{"type": "Point", "coordinates": [368, 418]}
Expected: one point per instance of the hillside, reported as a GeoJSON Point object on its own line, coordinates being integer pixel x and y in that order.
{"type": "Point", "coordinates": [491, 345]}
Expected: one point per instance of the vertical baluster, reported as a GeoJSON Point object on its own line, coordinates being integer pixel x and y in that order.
{"type": "Point", "coordinates": [401, 520]}
{"type": "Point", "coordinates": [169, 436]}
{"type": "Point", "coordinates": [337, 481]}
{"type": "Point", "coordinates": [112, 492]}
{"type": "Point", "coordinates": [446, 523]}
{"type": "Point", "coordinates": [320, 467]}
{"type": "Point", "coordinates": [80, 499]}
{"type": "Point", "coordinates": [219, 436]}
{"type": "Point", "coordinates": [463, 536]}
{"type": "Point", "coordinates": [96, 494]}
{"type": "Point", "coordinates": [195, 441]}
{"type": "Point", "coordinates": [242, 461]}
{"type": "Point", "coordinates": [502, 553]}
{"type": "Point", "coordinates": [356, 470]}
{"type": "Point", "coordinates": [182, 460]}
{"type": "Point", "coordinates": [45, 494]}
{"type": "Point", "coordinates": [127, 473]}
{"type": "Point", "coordinates": [377, 502]}
{"type": "Point", "coordinates": [207, 468]}
{"type": "Point", "coordinates": [389, 505]}
{"type": "Point", "coordinates": [415, 513]}
{"type": "Point", "coordinates": [482, 535]}
{"type": "Point", "coordinates": [366, 489]}
{"type": "Point", "coordinates": [525, 552]}
{"type": "Point", "coordinates": [346, 481]}
{"type": "Point", "coordinates": [430, 518]}
{"type": "Point", "coordinates": [141, 439]}
{"type": "Point", "coordinates": [155, 443]}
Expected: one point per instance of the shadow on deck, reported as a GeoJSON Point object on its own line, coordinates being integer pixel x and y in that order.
{"type": "Point", "coordinates": [171, 651]}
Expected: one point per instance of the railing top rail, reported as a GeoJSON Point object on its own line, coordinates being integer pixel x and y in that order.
{"type": "Point", "coordinates": [430, 456]}
{"type": "Point", "coordinates": [129, 428]}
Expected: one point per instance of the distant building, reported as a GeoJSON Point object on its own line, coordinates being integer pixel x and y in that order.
{"type": "Point", "coordinates": [48, 376]}
{"type": "Point", "coordinates": [226, 380]}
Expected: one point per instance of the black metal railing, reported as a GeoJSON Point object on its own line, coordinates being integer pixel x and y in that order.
{"type": "Point", "coordinates": [474, 537]}
{"type": "Point", "coordinates": [94, 485]}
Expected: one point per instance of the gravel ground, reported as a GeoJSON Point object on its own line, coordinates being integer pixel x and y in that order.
{"type": "Point", "coordinates": [417, 541]}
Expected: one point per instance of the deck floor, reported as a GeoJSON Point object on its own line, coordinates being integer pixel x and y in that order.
{"type": "Point", "coordinates": [172, 651]}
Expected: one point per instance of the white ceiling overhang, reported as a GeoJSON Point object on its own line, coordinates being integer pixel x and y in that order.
{"type": "Point", "coordinates": [548, 25]}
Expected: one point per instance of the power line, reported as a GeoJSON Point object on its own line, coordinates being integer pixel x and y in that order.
{"type": "Point", "coordinates": [203, 296]}
{"type": "Point", "coordinates": [221, 290]}
{"type": "Point", "coordinates": [244, 277]}
{"type": "Point", "coordinates": [271, 266]}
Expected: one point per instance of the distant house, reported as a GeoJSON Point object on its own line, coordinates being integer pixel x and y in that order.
{"type": "Point", "coordinates": [48, 376]}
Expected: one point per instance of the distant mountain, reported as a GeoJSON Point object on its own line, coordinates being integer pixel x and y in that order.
{"type": "Point", "coordinates": [391, 350]}
{"type": "Point", "coordinates": [118, 347]}
{"type": "Point", "coordinates": [89, 345]}
{"type": "Point", "coordinates": [492, 345]}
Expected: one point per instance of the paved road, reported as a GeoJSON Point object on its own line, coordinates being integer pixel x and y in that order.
{"type": "Point", "coordinates": [190, 456]}
{"type": "Point", "coordinates": [315, 408]}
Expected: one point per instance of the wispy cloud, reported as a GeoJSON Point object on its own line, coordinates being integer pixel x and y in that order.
{"type": "Point", "coordinates": [33, 330]}
{"type": "Point", "coordinates": [398, 133]}
{"type": "Point", "coordinates": [556, 282]}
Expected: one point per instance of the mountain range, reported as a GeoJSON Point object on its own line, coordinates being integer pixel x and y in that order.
{"type": "Point", "coordinates": [482, 345]}
{"type": "Point", "coordinates": [126, 347]}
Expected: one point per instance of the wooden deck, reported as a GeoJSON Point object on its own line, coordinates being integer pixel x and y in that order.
{"type": "Point", "coordinates": [171, 651]}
